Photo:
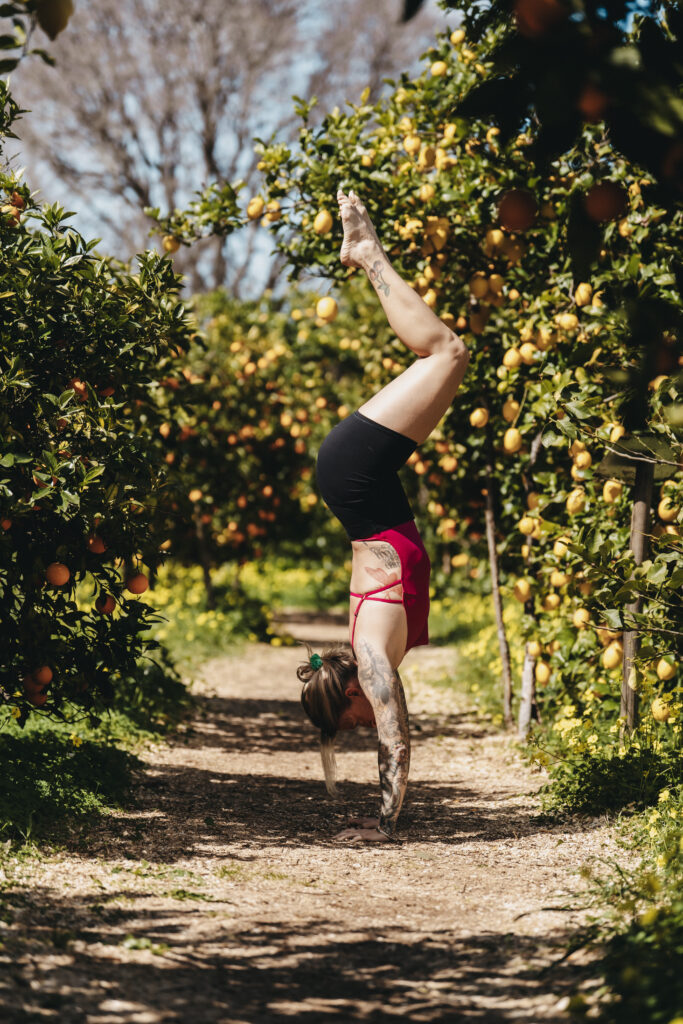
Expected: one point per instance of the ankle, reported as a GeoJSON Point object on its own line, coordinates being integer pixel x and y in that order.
{"type": "Point", "coordinates": [368, 252]}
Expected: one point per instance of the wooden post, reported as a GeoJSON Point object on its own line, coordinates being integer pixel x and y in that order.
{"type": "Point", "coordinates": [527, 700]}
{"type": "Point", "coordinates": [640, 522]}
{"type": "Point", "coordinates": [503, 645]}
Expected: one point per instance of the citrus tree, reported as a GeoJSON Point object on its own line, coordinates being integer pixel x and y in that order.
{"type": "Point", "coordinates": [554, 353]}
{"type": "Point", "coordinates": [82, 338]}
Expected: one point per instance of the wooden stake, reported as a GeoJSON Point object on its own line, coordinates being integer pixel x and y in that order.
{"type": "Point", "coordinates": [640, 522]}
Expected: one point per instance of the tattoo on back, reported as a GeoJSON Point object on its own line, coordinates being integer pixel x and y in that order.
{"type": "Point", "coordinates": [376, 275]}
{"type": "Point", "coordinates": [385, 552]}
{"type": "Point", "coordinates": [383, 688]}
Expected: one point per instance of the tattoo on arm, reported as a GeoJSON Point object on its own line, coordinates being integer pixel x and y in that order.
{"type": "Point", "coordinates": [383, 688]}
{"type": "Point", "coordinates": [376, 275]}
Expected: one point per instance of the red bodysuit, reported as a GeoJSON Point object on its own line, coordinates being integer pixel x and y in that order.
{"type": "Point", "coordinates": [415, 570]}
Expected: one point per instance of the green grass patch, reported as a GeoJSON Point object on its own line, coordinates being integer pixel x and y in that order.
{"type": "Point", "coordinates": [51, 778]}
{"type": "Point", "coordinates": [57, 773]}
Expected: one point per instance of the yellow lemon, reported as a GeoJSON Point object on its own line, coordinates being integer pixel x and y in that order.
{"type": "Point", "coordinates": [542, 673]}
{"type": "Point", "coordinates": [616, 433]}
{"type": "Point", "coordinates": [170, 243]}
{"type": "Point", "coordinates": [551, 602]}
{"type": "Point", "coordinates": [666, 511]}
{"type": "Point", "coordinates": [576, 501]}
{"type": "Point", "coordinates": [512, 440]}
{"type": "Point", "coordinates": [660, 710]}
{"type": "Point", "coordinates": [581, 618]}
{"type": "Point", "coordinates": [613, 654]}
{"type": "Point", "coordinates": [522, 590]}
{"type": "Point", "coordinates": [323, 222]}
{"type": "Point", "coordinates": [479, 417]}
{"type": "Point", "coordinates": [526, 525]}
{"type": "Point", "coordinates": [583, 294]}
{"type": "Point", "coordinates": [411, 144]}
{"type": "Point", "coordinates": [327, 309]}
{"type": "Point", "coordinates": [567, 321]}
{"type": "Point", "coordinates": [510, 410]}
{"type": "Point", "coordinates": [512, 358]}
{"type": "Point", "coordinates": [534, 648]}
{"type": "Point", "coordinates": [665, 670]}
{"type": "Point", "coordinates": [458, 36]}
{"type": "Point", "coordinates": [255, 208]}
{"type": "Point", "coordinates": [611, 491]}
{"type": "Point", "coordinates": [439, 68]}
{"type": "Point", "coordinates": [528, 352]}
{"type": "Point", "coordinates": [426, 192]}
{"type": "Point", "coordinates": [559, 578]}
{"type": "Point", "coordinates": [583, 460]}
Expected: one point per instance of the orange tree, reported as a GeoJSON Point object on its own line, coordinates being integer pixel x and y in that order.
{"type": "Point", "coordinates": [81, 340]}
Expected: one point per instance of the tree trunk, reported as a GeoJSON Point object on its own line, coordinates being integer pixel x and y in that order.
{"type": "Point", "coordinates": [503, 645]}
{"type": "Point", "coordinates": [204, 559]}
{"type": "Point", "coordinates": [640, 520]}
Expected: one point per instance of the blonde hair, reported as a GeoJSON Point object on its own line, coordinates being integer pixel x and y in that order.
{"type": "Point", "coordinates": [323, 699]}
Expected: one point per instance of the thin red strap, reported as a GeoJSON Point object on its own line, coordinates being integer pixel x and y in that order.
{"type": "Point", "coordinates": [369, 594]}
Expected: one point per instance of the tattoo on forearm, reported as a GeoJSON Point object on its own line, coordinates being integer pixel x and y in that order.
{"type": "Point", "coordinates": [383, 688]}
{"type": "Point", "coordinates": [376, 275]}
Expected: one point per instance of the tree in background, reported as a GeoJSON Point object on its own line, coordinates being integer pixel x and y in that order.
{"type": "Point", "coordinates": [148, 103]}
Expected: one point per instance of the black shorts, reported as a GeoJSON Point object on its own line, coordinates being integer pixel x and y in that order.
{"type": "Point", "coordinates": [357, 474]}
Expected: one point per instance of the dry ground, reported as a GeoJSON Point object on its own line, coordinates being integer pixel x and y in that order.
{"type": "Point", "coordinates": [221, 898]}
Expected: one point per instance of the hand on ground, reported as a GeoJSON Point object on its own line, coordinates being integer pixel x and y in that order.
{"type": "Point", "coordinates": [362, 835]}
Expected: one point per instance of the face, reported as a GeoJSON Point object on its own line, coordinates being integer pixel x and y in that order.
{"type": "Point", "coordinates": [358, 711]}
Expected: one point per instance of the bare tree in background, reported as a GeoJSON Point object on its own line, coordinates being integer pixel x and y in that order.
{"type": "Point", "coordinates": [150, 101]}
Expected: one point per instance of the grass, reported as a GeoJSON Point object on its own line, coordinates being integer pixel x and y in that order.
{"type": "Point", "coordinates": [56, 774]}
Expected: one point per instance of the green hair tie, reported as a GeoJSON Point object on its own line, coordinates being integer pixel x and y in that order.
{"type": "Point", "coordinates": [316, 662]}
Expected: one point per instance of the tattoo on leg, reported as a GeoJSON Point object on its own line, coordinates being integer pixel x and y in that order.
{"type": "Point", "coordinates": [383, 688]}
{"type": "Point", "coordinates": [376, 275]}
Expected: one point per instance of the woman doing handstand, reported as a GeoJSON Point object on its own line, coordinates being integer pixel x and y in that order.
{"type": "Point", "coordinates": [357, 474]}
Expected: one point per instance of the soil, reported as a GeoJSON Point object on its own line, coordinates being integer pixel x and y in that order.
{"type": "Point", "coordinates": [220, 896]}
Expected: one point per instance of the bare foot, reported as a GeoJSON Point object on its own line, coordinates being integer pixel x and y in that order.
{"type": "Point", "coordinates": [361, 243]}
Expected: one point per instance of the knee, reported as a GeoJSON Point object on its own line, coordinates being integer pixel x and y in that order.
{"type": "Point", "coordinates": [457, 349]}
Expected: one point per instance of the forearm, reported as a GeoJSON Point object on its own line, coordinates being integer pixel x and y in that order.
{"type": "Point", "coordinates": [384, 690]}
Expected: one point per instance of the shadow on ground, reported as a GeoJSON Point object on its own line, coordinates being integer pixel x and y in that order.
{"type": "Point", "coordinates": [270, 972]}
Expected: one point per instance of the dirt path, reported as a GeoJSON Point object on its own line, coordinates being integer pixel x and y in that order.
{"type": "Point", "coordinates": [221, 898]}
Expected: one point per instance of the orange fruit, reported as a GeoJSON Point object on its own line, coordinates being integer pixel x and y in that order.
{"type": "Point", "coordinates": [536, 18]}
{"type": "Point", "coordinates": [6, 524]}
{"type": "Point", "coordinates": [517, 210]}
{"type": "Point", "coordinates": [105, 604]}
{"type": "Point", "coordinates": [96, 544]}
{"type": "Point", "coordinates": [605, 201]}
{"type": "Point", "coordinates": [42, 676]}
{"type": "Point", "coordinates": [137, 584]}
{"type": "Point", "coordinates": [57, 574]}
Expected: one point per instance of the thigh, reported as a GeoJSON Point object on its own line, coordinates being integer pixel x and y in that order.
{"type": "Point", "coordinates": [384, 627]}
{"type": "Point", "coordinates": [415, 401]}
